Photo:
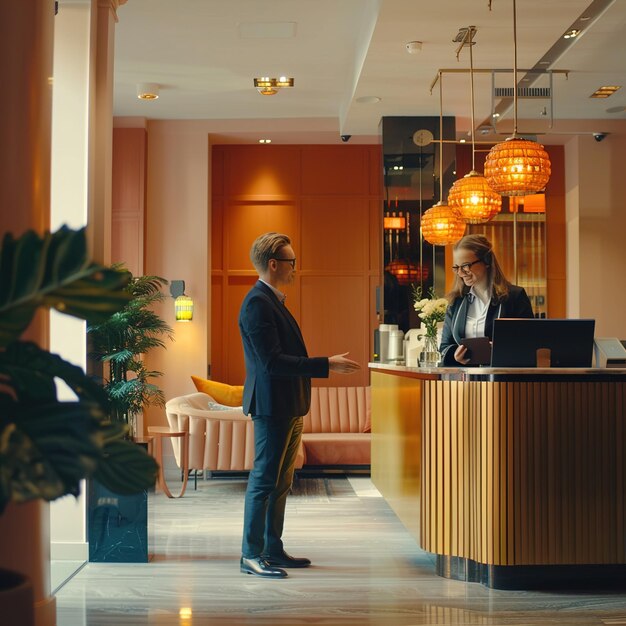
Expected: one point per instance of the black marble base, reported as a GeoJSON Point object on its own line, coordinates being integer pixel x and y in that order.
{"type": "Point", "coordinates": [532, 576]}
{"type": "Point", "coordinates": [117, 526]}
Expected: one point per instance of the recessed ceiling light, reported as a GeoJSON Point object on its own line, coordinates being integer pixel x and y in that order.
{"type": "Point", "coordinates": [605, 91]}
{"type": "Point", "coordinates": [267, 86]}
{"type": "Point", "coordinates": [574, 32]}
{"type": "Point", "coordinates": [265, 141]}
{"type": "Point", "coordinates": [368, 99]}
{"type": "Point", "coordinates": [147, 91]}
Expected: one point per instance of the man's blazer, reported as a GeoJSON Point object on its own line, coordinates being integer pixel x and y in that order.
{"type": "Point", "coordinates": [278, 368]}
{"type": "Point", "coordinates": [516, 305]}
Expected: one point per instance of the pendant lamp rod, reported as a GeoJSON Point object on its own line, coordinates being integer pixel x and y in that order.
{"type": "Point", "coordinates": [470, 33]}
{"type": "Point", "coordinates": [514, 69]}
{"type": "Point", "coordinates": [440, 138]}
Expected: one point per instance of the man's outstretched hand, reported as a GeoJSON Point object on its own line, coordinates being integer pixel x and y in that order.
{"type": "Point", "coordinates": [340, 364]}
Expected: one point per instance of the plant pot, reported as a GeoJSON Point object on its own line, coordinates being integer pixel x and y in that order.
{"type": "Point", "coordinates": [16, 599]}
{"type": "Point", "coordinates": [117, 526]}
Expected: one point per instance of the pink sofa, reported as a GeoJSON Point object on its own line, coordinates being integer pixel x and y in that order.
{"type": "Point", "coordinates": [224, 440]}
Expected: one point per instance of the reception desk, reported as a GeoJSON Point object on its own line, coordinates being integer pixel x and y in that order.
{"type": "Point", "coordinates": [515, 478]}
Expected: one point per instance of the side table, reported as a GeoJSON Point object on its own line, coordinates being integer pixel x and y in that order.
{"type": "Point", "coordinates": [159, 433]}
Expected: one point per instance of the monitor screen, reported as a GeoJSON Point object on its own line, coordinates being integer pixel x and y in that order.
{"type": "Point", "coordinates": [516, 341]}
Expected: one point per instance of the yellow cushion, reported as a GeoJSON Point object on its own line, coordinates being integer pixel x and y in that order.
{"type": "Point", "coordinates": [229, 395]}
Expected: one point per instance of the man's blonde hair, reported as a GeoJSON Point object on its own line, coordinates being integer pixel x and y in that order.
{"type": "Point", "coordinates": [267, 247]}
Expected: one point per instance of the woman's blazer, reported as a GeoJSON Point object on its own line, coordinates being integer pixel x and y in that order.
{"type": "Point", "coordinates": [517, 304]}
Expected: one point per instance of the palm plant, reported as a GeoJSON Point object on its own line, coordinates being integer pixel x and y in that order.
{"type": "Point", "coordinates": [48, 446]}
{"type": "Point", "coordinates": [121, 341]}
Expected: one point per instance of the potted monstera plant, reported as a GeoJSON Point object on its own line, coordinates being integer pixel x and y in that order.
{"type": "Point", "coordinates": [48, 446]}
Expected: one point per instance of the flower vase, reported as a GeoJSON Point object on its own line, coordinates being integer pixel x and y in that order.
{"type": "Point", "coordinates": [430, 355]}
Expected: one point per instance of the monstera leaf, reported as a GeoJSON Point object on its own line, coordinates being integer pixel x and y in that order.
{"type": "Point", "coordinates": [46, 446]}
{"type": "Point", "coordinates": [54, 271]}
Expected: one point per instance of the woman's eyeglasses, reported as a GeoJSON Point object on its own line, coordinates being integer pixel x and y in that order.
{"type": "Point", "coordinates": [292, 261]}
{"type": "Point", "coordinates": [465, 267]}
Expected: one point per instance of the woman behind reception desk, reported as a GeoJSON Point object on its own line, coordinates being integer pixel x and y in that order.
{"type": "Point", "coordinates": [481, 293]}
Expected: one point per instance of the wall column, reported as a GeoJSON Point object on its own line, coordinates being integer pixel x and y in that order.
{"type": "Point", "coordinates": [104, 17]}
{"type": "Point", "coordinates": [26, 42]}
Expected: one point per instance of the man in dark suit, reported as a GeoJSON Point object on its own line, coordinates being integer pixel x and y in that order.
{"type": "Point", "coordinates": [277, 393]}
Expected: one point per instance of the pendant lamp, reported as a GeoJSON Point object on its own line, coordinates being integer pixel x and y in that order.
{"type": "Point", "coordinates": [441, 225]}
{"type": "Point", "coordinates": [475, 200]}
{"type": "Point", "coordinates": [517, 167]}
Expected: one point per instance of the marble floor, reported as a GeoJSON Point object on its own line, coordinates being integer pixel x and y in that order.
{"type": "Point", "coordinates": [367, 570]}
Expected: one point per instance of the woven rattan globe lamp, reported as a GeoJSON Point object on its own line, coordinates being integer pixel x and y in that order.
{"type": "Point", "coordinates": [475, 200]}
{"type": "Point", "coordinates": [441, 225]}
{"type": "Point", "coordinates": [517, 167]}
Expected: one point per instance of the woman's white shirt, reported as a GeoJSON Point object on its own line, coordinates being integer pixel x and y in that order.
{"type": "Point", "coordinates": [476, 315]}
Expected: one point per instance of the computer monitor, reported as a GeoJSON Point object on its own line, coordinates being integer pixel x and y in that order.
{"type": "Point", "coordinates": [516, 342]}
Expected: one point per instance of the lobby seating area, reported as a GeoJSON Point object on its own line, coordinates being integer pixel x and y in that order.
{"type": "Point", "coordinates": [336, 431]}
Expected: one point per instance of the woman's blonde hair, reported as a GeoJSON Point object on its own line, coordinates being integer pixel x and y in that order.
{"type": "Point", "coordinates": [266, 247]}
{"type": "Point", "coordinates": [497, 282]}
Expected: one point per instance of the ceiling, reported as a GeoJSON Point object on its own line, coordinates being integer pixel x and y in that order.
{"type": "Point", "coordinates": [205, 53]}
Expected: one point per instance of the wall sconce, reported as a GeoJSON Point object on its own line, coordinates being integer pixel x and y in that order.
{"type": "Point", "coordinates": [183, 304]}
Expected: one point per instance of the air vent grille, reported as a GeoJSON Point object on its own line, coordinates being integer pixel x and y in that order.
{"type": "Point", "coordinates": [523, 92]}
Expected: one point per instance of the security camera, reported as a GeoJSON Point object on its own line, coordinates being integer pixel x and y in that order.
{"type": "Point", "coordinates": [599, 136]}
{"type": "Point", "coordinates": [345, 138]}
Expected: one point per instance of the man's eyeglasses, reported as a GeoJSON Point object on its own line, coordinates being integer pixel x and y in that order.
{"type": "Point", "coordinates": [465, 267]}
{"type": "Point", "coordinates": [292, 261]}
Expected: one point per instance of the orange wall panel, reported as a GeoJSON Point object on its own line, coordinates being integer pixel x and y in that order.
{"type": "Point", "coordinates": [334, 319]}
{"type": "Point", "coordinates": [128, 198]}
{"type": "Point", "coordinates": [243, 223]}
{"type": "Point", "coordinates": [238, 287]}
{"type": "Point", "coordinates": [218, 369]}
{"type": "Point", "coordinates": [335, 234]}
{"type": "Point", "coordinates": [261, 172]}
{"type": "Point", "coordinates": [335, 171]}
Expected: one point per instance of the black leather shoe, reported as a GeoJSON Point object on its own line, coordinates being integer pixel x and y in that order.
{"type": "Point", "coordinates": [260, 567]}
{"type": "Point", "coordinates": [286, 560]}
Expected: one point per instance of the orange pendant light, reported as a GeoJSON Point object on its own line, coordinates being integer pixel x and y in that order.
{"type": "Point", "coordinates": [475, 200]}
{"type": "Point", "coordinates": [517, 167]}
{"type": "Point", "coordinates": [471, 195]}
{"type": "Point", "coordinates": [441, 225]}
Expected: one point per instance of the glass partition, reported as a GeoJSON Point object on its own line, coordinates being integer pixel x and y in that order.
{"type": "Point", "coordinates": [411, 153]}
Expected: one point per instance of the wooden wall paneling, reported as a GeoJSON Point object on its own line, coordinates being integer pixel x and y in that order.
{"type": "Point", "coordinates": [218, 234]}
{"type": "Point", "coordinates": [216, 158]}
{"type": "Point", "coordinates": [261, 173]}
{"type": "Point", "coordinates": [128, 198]}
{"type": "Point", "coordinates": [334, 320]}
{"type": "Point", "coordinates": [238, 287]}
{"type": "Point", "coordinates": [335, 234]}
{"type": "Point", "coordinates": [375, 175]}
{"type": "Point", "coordinates": [218, 368]}
{"type": "Point", "coordinates": [556, 234]}
{"type": "Point", "coordinates": [262, 192]}
{"type": "Point", "coordinates": [127, 240]}
{"type": "Point", "coordinates": [244, 222]}
{"type": "Point", "coordinates": [335, 171]}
